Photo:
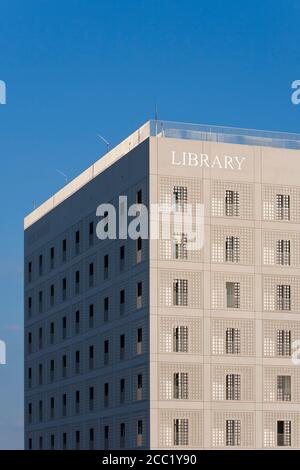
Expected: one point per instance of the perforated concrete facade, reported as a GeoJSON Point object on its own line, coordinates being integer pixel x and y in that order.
{"type": "Point", "coordinates": [163, 347]}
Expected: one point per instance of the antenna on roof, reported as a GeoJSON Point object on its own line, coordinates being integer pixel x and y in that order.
{"type": "Point", "coordinates": [63, 174]}
{"type": "Point", "coordinates": [156, 117]}
{"type": "Point", "coordinates": [104, 140]}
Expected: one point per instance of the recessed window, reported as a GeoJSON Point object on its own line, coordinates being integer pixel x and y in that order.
{"type": "Point", "coordinates": [52, 255]}
{"type": "Point", "coordinates": [91, 315]}
{"type": "Point", "coordinates": [232, 249]}
{"type": "Point", "coordinates": [233, 294]}
{"type": "Point", "coordinates": [91, 274]}
{"type": "Point", "coordinates": [139, 197]}
{"type": "Point", "coordinates": [283, 252]}
{"type": "Point", "coordinates": [29, 306]}
{"type": "Point", "coordinates": [233, 432]}
{"type": "Point", "coordinates": [64, 249]}
{"type": "Point", "coordinates": [91, 357]}
{"type": "Point", "coordinates": [40, 265]}
{"type": "Point", "coordinates": [77, 282]}
{"type": "Point", "coordinates": [180, 198]}
{"type": "Point", "coordinates": [139, 300]}
{"type": "Point", "coordinates": [77, 401]}
{"type": "Point", "coordinates": [122, 391]}
{"type": "Point", "coordinates": [29, 271]}
{"type": "Point", "coordinates": [139, 442]}
{"type": "Point", "coordinates": [284, 387]}
{"type": "Point", "coordinates": [91, 398]}
{"type": "Point", "coordinates": [91, 233]}
{"type": "Point", "coordinates": [41, 376]}
{"type": "Point", "coordinates": [52, 331]}
{"type": "Point", "coordinates": [64, 441]}
{"type": "Point", "coordinates": [232, 203]}
{"type": "Point", "coordinates": [64, 288]}
{"type": "Point", "coordinates": [91, 438]}
{"type": "Point", "coordinates": [284, 342]}
{"type": "Point", "coordinates": [284, 428]}
{"type": "Point", "coordinates": [52, 369]}
{"type": "Point", "coordinates": [283, 204]}
{"type": "Point", "coordinates": [139, 342]}
{"type": "Point", "coordinates": [77, 321]}
{"type": "Point", "coordinates": [233, 341]}
{"type": "Point", "coordinates": [64, 366]}
{"type": "Point", "coordinates": [106, 351]}
{"type": "Point", "coordinates": [283, 297]}
{"type": "Point", "coordinates": [105, 263]}
{"type": "Point", "coordinates": [233, 387]}
{"type": "Point", "coordinates": [77, 362]}
{"type": "Point", "coordinates": [181, 431]}
{"type": "Point", "coordinates": [122, 301]}
{"type": "Point", "coordinates": [77, 242]}
{"type": "Point", "coordinates": [77, 440]}
{"type": "Point", "coordinates": [106, 308]}
{"type": "Point", "coordinates": [180, 339]}
{"type": "Point", "coordinates": [180, 292]}
{"type": "Point", "coordinates": [122, 346]}
{"type": "Point", "coordinates": [64, 327]}
{"type": "Point", "coordinates": [180, 386]}
{"type": "Point", "coordinates": [139, 390]}
{"type": "Point", "coordinates": [106, 394]}
{"type": "Point", "coordinates": [106, 437]}
{"type": "Point", "coordinates": [40, 301]}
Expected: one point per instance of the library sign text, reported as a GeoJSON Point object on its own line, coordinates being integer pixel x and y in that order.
{"type": "Point", "coordinates": [201, 160]}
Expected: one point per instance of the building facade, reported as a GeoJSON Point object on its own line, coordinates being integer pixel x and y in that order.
{"type": "Point", "coordinates": [145, 343]}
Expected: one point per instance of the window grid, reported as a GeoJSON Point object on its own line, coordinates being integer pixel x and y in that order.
{"type": "Point", "coordinates": [178, 334]}
{"type": "Point", "coordinates": [167, 430]}
{"type": "Point", "coordinates": [232, 245]}
{"type": "Point", "coordinates": [274, 249]}
{"type": "Point", "coordinates": [219, 291]}
{"type": "Point", "coordinates": [276, 205]}
{"type": "Point", "coordinates": [219, 328]}
{"type": "Point", "coordinates": [281, 293]}
{"type": "Point", "coordinates": [218, 199]}
{"type": "Point", "coordinates": [281, 384]}
{"type": "Point", "coordinates": [229, 383]}
{"type": "Point", "coordinates": [272, 437]}
{"type": "Point", "coordinates": [167, 247]}
{"type": "Point", "coordinates": [189, 288]}
{"type": "Point", "coordinates": [181, 381]}
{"type": "Point", "coordinates": [221, 438]}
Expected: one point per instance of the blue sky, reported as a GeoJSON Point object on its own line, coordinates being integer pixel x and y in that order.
{"type": "Point", "coordinates": [75, 68]}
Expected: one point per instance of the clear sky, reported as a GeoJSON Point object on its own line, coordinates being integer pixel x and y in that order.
{"type": "Point", "coordinates": [75, 68]}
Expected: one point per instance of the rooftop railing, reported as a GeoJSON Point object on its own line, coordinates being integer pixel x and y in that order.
{"type": "Point", "coordinates": [231, 135]}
